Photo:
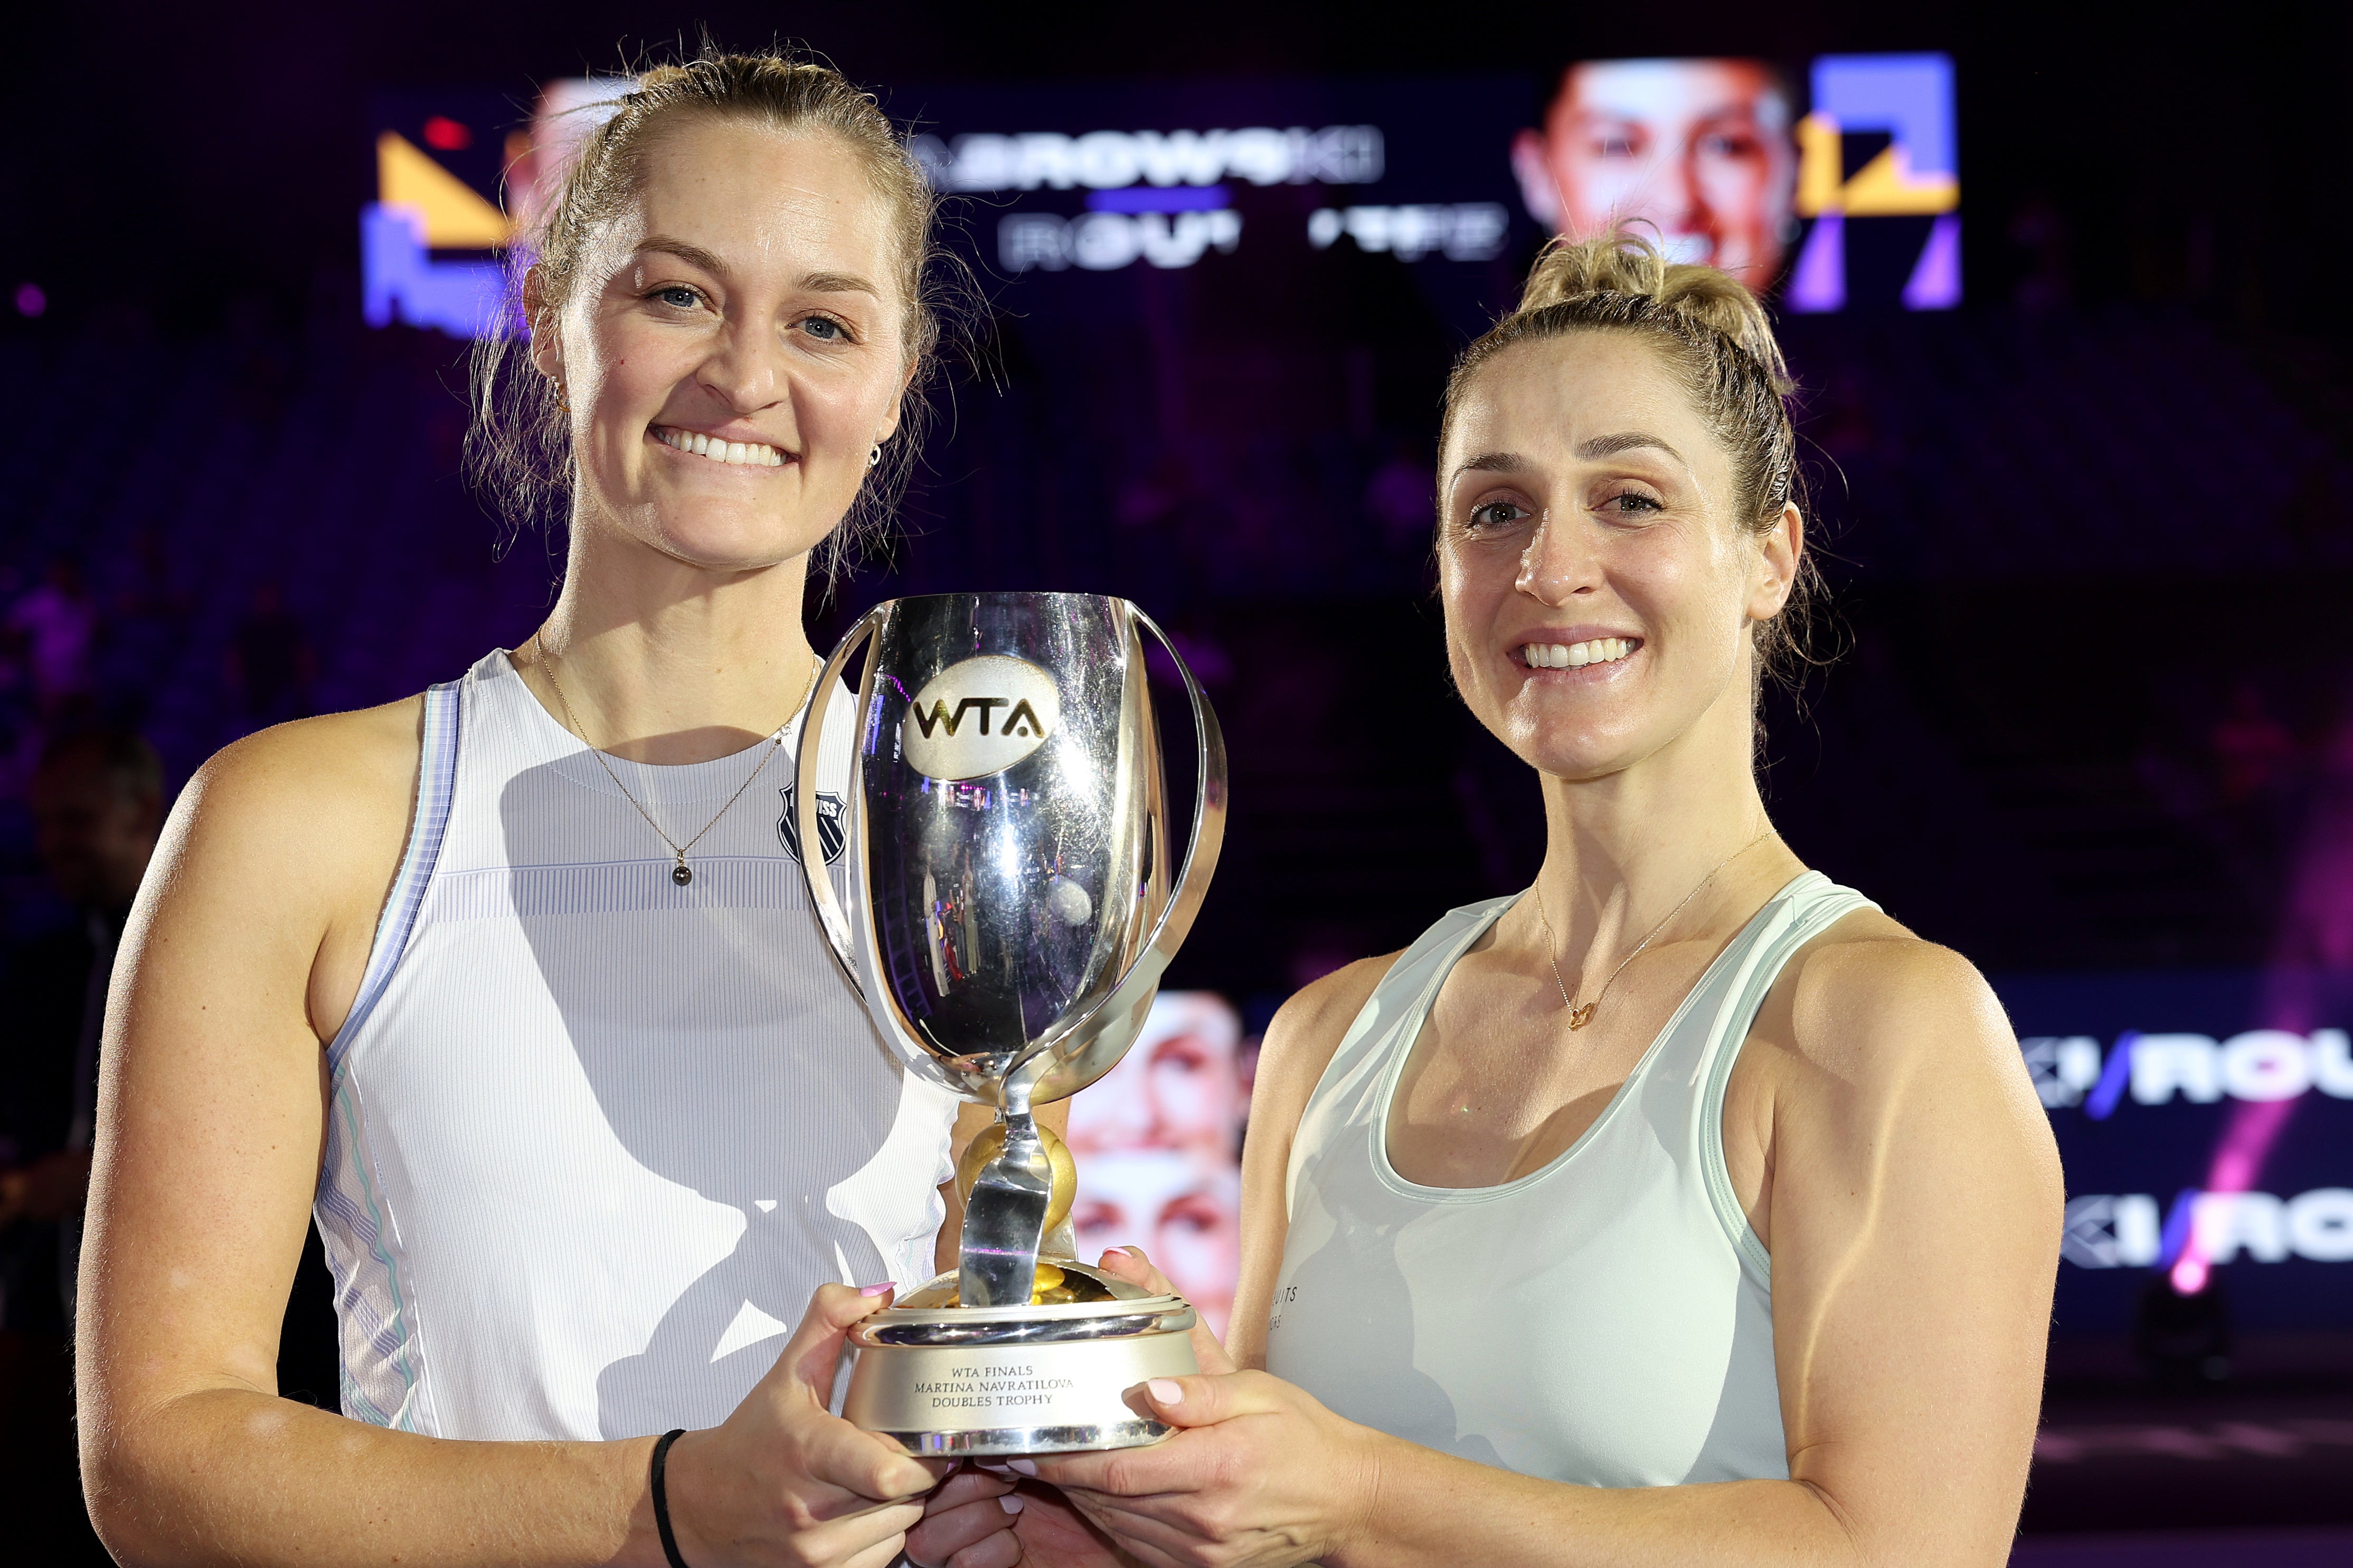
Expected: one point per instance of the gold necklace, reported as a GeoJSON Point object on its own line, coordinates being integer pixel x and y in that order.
{"type": "Point", "coordinates": [681, 873]}
{"type": "Point", "coordinates": [1581, 1013]}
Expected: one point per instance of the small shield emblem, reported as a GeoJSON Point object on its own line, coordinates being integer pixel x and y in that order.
{"type": "Point", "coordinates": [829, 825]}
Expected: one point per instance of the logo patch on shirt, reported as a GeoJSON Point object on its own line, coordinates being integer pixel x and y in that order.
{"type": "Point", "coordinates": [829, 835]}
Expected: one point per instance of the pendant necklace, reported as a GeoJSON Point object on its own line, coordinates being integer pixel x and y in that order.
{"type": "Point", "coordinates": [1581, 1013]}
{"type": "Point", "coordinates": [683, 874]}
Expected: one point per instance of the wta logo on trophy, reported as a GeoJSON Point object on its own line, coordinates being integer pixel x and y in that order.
{"type": "Point", "coordinates": [979, 716]}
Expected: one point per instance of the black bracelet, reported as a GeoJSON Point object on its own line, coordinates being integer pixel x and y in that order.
{"type": "Point", "coordinates": [662, 1497]}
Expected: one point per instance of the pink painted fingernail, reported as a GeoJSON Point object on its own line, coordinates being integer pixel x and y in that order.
{"type": "Point", "coordinates": [1167, 1391]}
{"type": "Point", "coordinates": [877, 1290]}
{"type": "Point", "coordinates": [1021, 1467]}
{"type": "Point", "coordinates": [994, 1466]}
{"type": "Point", "coordinates": [1010, 1502]}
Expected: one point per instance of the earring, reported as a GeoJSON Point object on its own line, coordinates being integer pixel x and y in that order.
{"type": "Point", "coordinates": [874, 457]}
{"type": "Point", "coordinates": [561, 401]}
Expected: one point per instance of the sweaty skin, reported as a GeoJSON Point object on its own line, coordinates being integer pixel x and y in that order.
{"type": "Point", "coordinates": [749, 294]}
{"type": "Point", "coordinates": [1879, 1128]}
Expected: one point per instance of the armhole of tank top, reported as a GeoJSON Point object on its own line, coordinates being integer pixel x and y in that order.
{"type": "Point", "coordinates": [437, 788]}
{"type": "Point", "coordinates": [1444, 936]}
{"type": "Point", "coordinates": [1756, 985]}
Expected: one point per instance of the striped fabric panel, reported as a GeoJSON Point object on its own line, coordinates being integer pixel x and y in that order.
{"type": "Point", "coordinates": [437, 787]}
{"type": "Point", "coordinates": [618, 887]}
{"type": "Point", "coordinates": [381, 1376]}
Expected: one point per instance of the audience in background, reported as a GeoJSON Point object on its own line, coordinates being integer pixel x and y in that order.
{"type": "Point", "coordinates": [59, 623]}
{"type": "Point", "coordinates": [268, 665]}
{"type": "Point", "coordinates": [96, 801]}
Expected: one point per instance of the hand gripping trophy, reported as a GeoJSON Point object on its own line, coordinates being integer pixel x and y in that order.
{"type": "Point", "coordinates": [1011, 916]}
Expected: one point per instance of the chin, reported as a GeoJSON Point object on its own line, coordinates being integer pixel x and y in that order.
{"type": "Point", "coordinates": [735, 543]}
{"type": "Point", "coordinates": [1576, 756]}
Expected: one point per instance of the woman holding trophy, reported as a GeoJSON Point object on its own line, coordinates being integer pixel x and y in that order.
{"type": "Point", "coordinates": [1684, 1208]}
{"type": "Point", "coordinates": [517, 982]}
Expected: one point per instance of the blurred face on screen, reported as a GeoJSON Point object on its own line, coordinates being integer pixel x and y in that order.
{"type": "Point", "coordinates": [730, 348]}
{"type": "Point", "coordinates": [1700, 149]}
{"type": "Point", "coordinates": [1184, 1213]}
{"type": "Point", "coordinates": [1179, 1086]}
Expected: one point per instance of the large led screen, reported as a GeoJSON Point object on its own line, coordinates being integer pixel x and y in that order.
{"type": "Point", "coordinates": [1835, 185]}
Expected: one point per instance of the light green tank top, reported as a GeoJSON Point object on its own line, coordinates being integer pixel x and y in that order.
{"type": "Point", "coordinates": [1607, 1319]}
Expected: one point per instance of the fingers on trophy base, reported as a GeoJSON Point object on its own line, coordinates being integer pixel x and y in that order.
{"type": "Point", "coordinates": [978, 1382]}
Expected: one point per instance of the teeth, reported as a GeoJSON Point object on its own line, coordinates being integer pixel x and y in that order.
{"type": "Point", "coordinates": [758, 454]}
{"type": "Point", "coordinates": [1575, 654]}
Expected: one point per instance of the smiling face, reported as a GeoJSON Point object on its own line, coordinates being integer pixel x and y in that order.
{"type": "Point", "coordinates": [733, 349]}
{"type": "Point", "coordinates": [1599, 587]}
{"type": "Point", "coordinates": [1701, 148]}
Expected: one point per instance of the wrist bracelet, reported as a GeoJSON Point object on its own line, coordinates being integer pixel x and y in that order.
{"type": "Point", "coordinates": [662, 1497]}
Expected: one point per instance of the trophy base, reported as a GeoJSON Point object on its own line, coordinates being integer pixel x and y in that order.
{"type": "Point", "coordinates": [975, 1382]}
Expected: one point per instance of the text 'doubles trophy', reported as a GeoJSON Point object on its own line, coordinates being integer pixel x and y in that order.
{"type": "Point", "coordinates": [1011, 909]}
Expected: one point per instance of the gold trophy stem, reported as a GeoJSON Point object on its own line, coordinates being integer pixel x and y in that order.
{"type": "Point", "coordinates": [991, 1144]}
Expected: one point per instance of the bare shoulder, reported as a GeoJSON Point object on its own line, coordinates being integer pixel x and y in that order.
{"type": "Point", "coordinates": [279, 853]}
{"type": "Point", "coordinates": [1869, 1002]}
{"type": "Point", "coordinates": [1306, 1030]}
{"type": "Point", "coordinates": [338, 771]}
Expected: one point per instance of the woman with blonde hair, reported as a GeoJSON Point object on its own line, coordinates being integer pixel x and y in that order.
{"type": "Point", "coordinates": [1683, 1208]}
{"type": "Point", "coordinates": [515, 986]}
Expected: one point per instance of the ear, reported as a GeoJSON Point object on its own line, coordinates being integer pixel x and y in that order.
{"type": "Point", "coordinates": [1779, 551]}
{"type": "Point", "coordinates": [1537, 190]}
{"type": "Point", "coordinates": [546, 341]}
{"type": "Point", "coordinates": [899, 402]}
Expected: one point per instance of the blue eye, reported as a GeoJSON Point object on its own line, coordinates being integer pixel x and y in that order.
{"type": "Point", "coordinates": [825, 328]}
{"type": "Point", "coordinates": [678, 296]}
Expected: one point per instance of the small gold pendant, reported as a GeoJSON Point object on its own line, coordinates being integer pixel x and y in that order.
{"type": "Point", "coordinates": [1580, 1016]}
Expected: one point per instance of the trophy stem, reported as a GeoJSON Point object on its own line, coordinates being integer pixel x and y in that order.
{"type": "Point", "coordinates": [1005, 1216]}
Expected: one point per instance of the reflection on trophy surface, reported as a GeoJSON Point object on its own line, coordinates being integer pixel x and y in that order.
{"type": "Point", "coordinates": [1011, 909]}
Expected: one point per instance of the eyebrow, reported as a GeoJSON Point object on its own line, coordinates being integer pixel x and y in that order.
{"type": "Point", "coordinates": [693, 254]}
{"type": "Point", "coordinates": [1496, 463]}
{"type": "Point", "coordinates": [1599, 448]}
{"type": "Point", "coordinates": [816, 282]}
{"type": "Point", "coordinates": [838, 283]}
{"type": "Point", "coordinates": [1624, 441]}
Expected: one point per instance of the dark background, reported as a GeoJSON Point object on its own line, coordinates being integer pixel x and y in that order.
{"type": "Point", "coordinates": [2070, 529]}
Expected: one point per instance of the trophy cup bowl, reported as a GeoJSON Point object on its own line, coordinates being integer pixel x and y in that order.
{"type": "Point", "coordinates": [1011, 911]}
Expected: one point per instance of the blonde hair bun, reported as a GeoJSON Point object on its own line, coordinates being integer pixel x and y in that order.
{"type": "Point", "coordinates": [1626, 262]}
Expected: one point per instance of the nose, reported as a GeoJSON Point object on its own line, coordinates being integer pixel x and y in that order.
{"type": "Point", "coordinates": [742, 368]}
{"type": "Point", "coordinates": [1672, 199]}
{"type": "Point", "coordinates": [1559, 562]}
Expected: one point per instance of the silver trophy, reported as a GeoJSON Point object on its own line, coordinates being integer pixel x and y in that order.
{"type": "Point", "coordinates": [1011, 911]}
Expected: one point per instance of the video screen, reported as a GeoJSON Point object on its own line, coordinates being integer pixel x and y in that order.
{"type": "Point", "coordinates": [1159, 1145]}
{"type": "Point", "coordinates": [1845, 192]}
{"type": "Point", "coordinates": [1834, 186]}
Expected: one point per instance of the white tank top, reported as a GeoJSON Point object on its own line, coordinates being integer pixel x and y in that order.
{"type": "Point", "coordinates": [593, 1138]}
{"type": "Point", "coordinates": [1605, 1320]}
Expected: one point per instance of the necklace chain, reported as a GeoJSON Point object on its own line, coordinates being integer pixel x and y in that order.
{"type": "Point", "coordinates": [681, 873]}
{"type": "Point", "coordinates": [1581, 1013]}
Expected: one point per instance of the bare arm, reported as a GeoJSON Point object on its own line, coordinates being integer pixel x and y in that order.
{"type": "Point", "coordinates": [1298, 1046]}
{"type": "Point", "coordinates": [1913, 1218]}
{"type": "Point", "coordinates": [241, 956]}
